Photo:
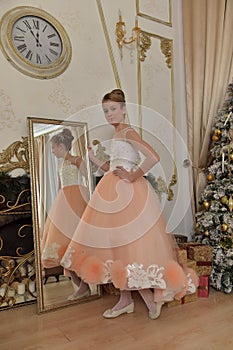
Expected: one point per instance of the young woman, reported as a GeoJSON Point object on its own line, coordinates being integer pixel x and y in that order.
{"type": "Point", "coordinates": [122, 236]}
{"type": "Point", "coordinates": [67, 208]}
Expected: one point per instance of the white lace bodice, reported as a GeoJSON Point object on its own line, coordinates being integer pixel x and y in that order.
{"type": "Point", "coordinates": [123, 154]}
{"type": "Point", "coordinates": [69, 174]}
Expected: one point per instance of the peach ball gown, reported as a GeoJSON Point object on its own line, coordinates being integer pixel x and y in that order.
{"type": "Point", "coordinates": [122, 239]}
{"type": "Point", "coordinates": [64, 215]}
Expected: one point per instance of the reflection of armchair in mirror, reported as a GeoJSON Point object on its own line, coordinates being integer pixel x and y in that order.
{"type": "Point", "coordinates": [61, 187]}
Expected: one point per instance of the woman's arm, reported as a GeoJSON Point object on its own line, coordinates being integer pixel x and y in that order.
{"type": "Point", "coordinates": [58, 182]}
{"type": "Point", "coordinates": [79, 162]}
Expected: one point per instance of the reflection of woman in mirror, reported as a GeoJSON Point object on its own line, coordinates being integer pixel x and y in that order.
{"type": "Point", "coordinates": [67, 207]}
{"type": "Point", "coordinates": [122, 236]}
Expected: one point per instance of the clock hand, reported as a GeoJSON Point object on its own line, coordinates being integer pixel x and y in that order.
{"type": "Point", "coordinates": [37, 41]}
{"type": "Point", "coordinates": [32, 33]}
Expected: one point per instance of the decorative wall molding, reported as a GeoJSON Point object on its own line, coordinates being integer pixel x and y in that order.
{"type": "Point", "coordinates": [145, 9]}
{"type": "Point", "coordinates": [7, 116]}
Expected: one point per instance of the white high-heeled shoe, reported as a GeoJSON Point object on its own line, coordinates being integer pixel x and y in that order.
{"type": "Point", "coordinates": [115, 313]}
{"type": "Point", "coordinates": [75, 296]}
{"type": "Point", "coordinates": [154, 315]}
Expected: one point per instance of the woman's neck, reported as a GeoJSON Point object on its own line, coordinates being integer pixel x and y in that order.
{"type": "Point", "coordinates": [68, 156]}
{"type": "Point", "coordinates": [120, 127]}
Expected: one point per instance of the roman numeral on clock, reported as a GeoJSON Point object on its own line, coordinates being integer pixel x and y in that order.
{"type": "Point", "coordinates": [36, 24]}
{"type": "Point", "coordinates": [48, 59]}
{"type": "Point", "coordinates": [53, 52]}
{"type": "Point", "coordinates": [27, 24]}
{"type": "Point", "coordinates": [51, 36]}
{"type": "Point", "coordinates": [54, 44]}
{"type": "Point", "coordinates": [22, 30]}
{"type": "Point", "coordinates": [29, 55]}
{"type": "Point", "coordinates": [38, 59]}
{"type": "Point", "coordinates": [18, 38]}
{"type": "Point", "coordinates": [22, 48]}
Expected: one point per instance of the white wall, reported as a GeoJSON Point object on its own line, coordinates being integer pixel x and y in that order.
{"type": "Point", "coordinates": [76, 93]}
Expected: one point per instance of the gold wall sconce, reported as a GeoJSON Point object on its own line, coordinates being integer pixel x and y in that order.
{"type": "Point", "coordinates": [143, 40]}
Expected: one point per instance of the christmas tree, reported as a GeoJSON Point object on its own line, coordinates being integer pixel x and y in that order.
{"type": "Point", "coordinates": [214, 222]}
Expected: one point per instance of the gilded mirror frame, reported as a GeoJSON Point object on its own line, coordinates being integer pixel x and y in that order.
{"type": "Point", "coordinates": [50, 125]}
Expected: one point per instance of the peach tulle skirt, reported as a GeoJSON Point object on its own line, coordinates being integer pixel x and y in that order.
{"type": "Point", "coordinates": [61, 223]}
{"type": "Point", "coordinates": [122, 239]}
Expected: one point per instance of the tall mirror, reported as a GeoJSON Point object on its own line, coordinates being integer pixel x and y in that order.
{"type": "Point", "coordinates": [61, 186]}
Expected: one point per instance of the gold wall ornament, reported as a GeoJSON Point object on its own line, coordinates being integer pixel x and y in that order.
{"type": "Point", "coordinates": [158, 184]}
{"type": "Point", "coordinates": [167, 49]}
{"type": "Point", "coordinates": [170, 193]}
{"type": "Point", "coordinates": [142, 40]}
{"type": "Point", "coordinates": [100, 154]}
{"type": "Point", "coordinates": [15, 156]}
{"type": "Point", "coordinates": [144, 45]}
{"type": "Point", "coordinates": [162, 187]}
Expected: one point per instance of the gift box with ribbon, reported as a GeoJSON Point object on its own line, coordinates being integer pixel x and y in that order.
{"type": "Point", "coordinates": [203, 289]}
{"type": "Point", "coordinates": [188, 298]}
{"type": "Point", "coordinates": [191, 264]}
{"type": "Point", "coordinates": [202, 254]}
{"type": "Point", "coordinates": [181, 256]}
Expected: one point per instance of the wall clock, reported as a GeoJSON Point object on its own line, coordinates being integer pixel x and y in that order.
{"type": "Point", "coordinates": [34, 42]}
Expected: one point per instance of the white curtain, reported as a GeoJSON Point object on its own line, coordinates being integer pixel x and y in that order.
{"type": "Point", "coordinates": [208, 48]}
{"type": "Point", "coordinates": [47, 184]}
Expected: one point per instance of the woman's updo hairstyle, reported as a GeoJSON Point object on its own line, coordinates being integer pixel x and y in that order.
{"type": "Point", "coordinates": [65, 137]}
{"type": "Point", "coordinates": [116, 95]}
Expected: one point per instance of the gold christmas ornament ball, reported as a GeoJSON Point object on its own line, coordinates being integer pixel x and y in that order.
{"type": "Point", "coordinates": [224, 227]}
{"type": "Point", "coordinates": [206, 233]}
{"type": "Point", "coordinates": [217, 132]}
{"type": "Point", "coordinates": [231, 156]}
{"type": "Point", "coordinates": [210, 177]}
{"type": "Point", "coordinates": [206, 204]}
{"type": "Point", "coordinates": [215, 138]}
{"type": "Point", "coordinates": [224, 200]}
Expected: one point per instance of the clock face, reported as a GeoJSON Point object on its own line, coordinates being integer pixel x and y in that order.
{"type": "Point", "coordinates": [36, 40]}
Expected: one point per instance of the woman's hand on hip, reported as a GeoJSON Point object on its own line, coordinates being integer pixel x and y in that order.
{"type": "Point", "coordinates": [122, 173]}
